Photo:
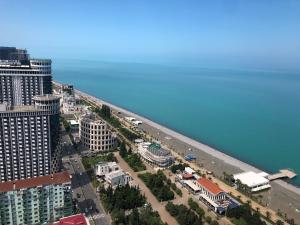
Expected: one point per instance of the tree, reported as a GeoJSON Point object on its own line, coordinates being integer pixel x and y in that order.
{"type": "Point", "coordinates": [279, 222]}
{"type": "Point", "coordinates": [105, 112]}
{"type": "Point", "coordinates": [134, 217]}
{"type": "Point", "coordinates": [123, 150]}
{"type": "Point", "coordinates": [268, 214]}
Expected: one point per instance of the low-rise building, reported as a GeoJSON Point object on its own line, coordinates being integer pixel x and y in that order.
{"type": "Point", "coordinates": [78, 219]}
{"type": "Point", "coordinates": [255, 181]}
{"type": "Point", "coordinates": [95, 134]}
{"type": "Point", "coordinates": [214, 197]}
{"type": "Point", "coordinates": [38, 200]}
{"type": "Point", "coordinates": [103, 168]}
{"type": "Point", "coordinates": [156, 155]}
{"type": "Point", "coordinates": [117, 178]}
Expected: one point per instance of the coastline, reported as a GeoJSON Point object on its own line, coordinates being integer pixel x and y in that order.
{"type": "Point", "coordinates": [283, 196]}
{"type": "Point", "coordinates": [243, 166]}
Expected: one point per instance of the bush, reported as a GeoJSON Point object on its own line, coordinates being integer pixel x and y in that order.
{"type": "Point", "coordinates": [183, 215]}
{"type": "Point", "coordinates": [158, 185]}
{"type": "Point", "coordinates": [194, 206]}
{"type": "Point", "coordinates": [244, 213]}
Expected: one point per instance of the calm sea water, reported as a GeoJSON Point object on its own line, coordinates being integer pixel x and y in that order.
{"type": "Point", "coordinates": [251, 115]}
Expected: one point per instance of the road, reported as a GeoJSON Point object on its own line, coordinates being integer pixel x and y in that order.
{"type": "Point", "coordinates": [83, 191]}
{"type": "Point", "coordinates": [156, 205]}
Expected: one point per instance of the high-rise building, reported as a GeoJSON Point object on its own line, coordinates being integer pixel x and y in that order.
{"type": "Point", "coordinates": [21, 78]}
{"type": "Point", "coordinates": [29, 139]}
{"type": "Point", "coordinates": [39, 200]}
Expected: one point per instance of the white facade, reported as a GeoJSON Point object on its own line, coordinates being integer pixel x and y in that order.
{"type": "Point", "coordinates": [255, 181]}
{"type": "Point", "coordinates": [154, 154]}
{"type": "Point", "coordinates": [95, 134]}
{"type": "Point", "coordinates": [117, 178]}
{"type": "Point", "coordinates": [102, 169]}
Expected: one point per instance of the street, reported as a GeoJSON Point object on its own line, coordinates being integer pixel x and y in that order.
{"type": "Point", "coordinates": [83, 191]}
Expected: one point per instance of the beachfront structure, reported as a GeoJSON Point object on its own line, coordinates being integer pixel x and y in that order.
{"type": "Point", "coordinates": [191, 186]}
{"type": "Point", "coordinates": [78, 219]}
{"type": "Point", "coordinates": [155, 155]}
{"type": "Point", "coordinates": [103, 168]}
{"type": "Point", "coordinates": [212, 195]}
{"type": "Point", "coordinates": [21, 78]}
{"type": "Point", "coordinates": [117, 178]}
{"type": "Point", "coordinates": [30, 139]}
{"type": "Point", "coordinates": [95, 134]}
{"type": "Point", "coordinates": [39, 200]}
{"type": "Point", "coordinates": [255, 181]}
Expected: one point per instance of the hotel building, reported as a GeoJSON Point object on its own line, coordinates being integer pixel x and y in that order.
{"type": "Point", "coordinates": [21, 78]}
{"type": "Point", "coordinates": [95, 134]}
{"type": "Point", "coordinates": [39, 200]}
{"type": "Point", "coordinates": [29, 139]}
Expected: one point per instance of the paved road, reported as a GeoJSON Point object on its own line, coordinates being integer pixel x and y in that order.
{"type": "Point", "coordinates": [156, 205]}
{"type": "Point", "coordinates": [83, 191]}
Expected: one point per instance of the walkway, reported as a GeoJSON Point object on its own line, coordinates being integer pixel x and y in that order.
{"type": "Point", "coordinates": [156, 205]}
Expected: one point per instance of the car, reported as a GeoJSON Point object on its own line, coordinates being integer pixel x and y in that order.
{"type": "Point", "coordinates": [80, 174]}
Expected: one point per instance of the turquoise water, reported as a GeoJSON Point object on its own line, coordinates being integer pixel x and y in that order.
{"type": "Point", "coordinates": [251, 115]}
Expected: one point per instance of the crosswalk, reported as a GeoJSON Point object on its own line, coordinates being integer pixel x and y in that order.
{"type": "Point", "coordinates": [97, 216]}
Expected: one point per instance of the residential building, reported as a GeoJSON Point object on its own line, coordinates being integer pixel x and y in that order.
{"type": "Point", "coordinates": [21, 78]}
{"type": "Point", "coordinates": [30, 139]}
{"type": "Point", "coordinates": [68, 98]}
{"type": "Point", "coordinates": [39, 200]}
{"type": "Point", "coordinates": [95, 134]}
{"type": "Point", "coordinates": [103, 168]}
{"type": "Point", "coordinates": [155, 155]}
{"type": "Point", "coordinates": [78, 219]}
{"type": "Point", "coordinates": [117, 178]}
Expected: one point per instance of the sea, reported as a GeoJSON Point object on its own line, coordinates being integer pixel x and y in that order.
{"type": "Point", "coordinates": [253, 115]}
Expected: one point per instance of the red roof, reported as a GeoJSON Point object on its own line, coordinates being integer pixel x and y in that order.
{"type": "Point", "coordinates": [78, 219]}
{"type": "Point", "coordinates": [187, 176]}
{"type": "Point", "coordinates": [209, 186]}
{"type": "Point", "coordinates": [56, 178]}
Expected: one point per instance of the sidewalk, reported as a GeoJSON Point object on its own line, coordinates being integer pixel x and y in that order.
{"type": "Point", "coordinates": [156, 205]}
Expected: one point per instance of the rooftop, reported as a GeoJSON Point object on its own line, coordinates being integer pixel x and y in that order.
{"type": "Point", "coordinates": [116, 173]}
{"type": "Point", "coordinates": [210, 186]}
{"type": "Point", "coordinates": [46, 97]}
{"type": "Point", "coordinates": [78, 219]}
{"type": "Point", "coordinates": [157, 150]}
{"type": "Point", "coordinates": [56, 178]}
{"type": "Point", "coordinates": [251, 179]}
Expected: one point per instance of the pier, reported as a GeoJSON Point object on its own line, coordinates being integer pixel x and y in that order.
{"type": "Point", "coordinates": [285, 173]}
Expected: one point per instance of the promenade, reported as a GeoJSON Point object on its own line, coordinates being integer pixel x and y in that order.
{"type": "Point", "coordinates": [282, 195]}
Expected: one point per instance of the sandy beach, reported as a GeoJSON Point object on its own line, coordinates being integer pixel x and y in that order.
{"type": "Point", "coordinates": [282, 195]}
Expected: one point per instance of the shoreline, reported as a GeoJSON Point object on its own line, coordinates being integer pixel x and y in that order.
{"type": "Point", "coordinates": [243, 166]}
{"type": "Point", "coordinates": [283, 197]}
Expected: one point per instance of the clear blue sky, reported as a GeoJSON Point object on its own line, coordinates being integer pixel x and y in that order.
{"type": "Point", "coordinates": [231, 31]}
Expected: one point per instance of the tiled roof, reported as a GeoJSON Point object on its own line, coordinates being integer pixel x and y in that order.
{"type": "Point", "coordinates": [209, 186]}
{"type": "Point", "coordinates": [187, 176]}
{"type": "Point", "coordinates": [56, 178]}
{"type": "Point", "coordinates": [78, 219]}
